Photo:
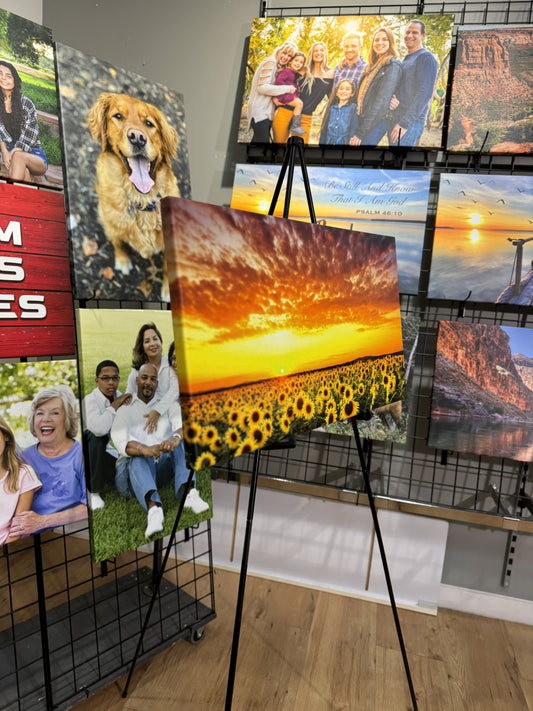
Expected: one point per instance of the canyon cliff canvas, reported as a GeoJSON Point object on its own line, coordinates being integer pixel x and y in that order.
{"type": "Point", "coordinates": [392, 202]}
{"type": "Point", "coordinates": [492, 92]}
{"type": "Point", "coordinates": [483, 241]}
{"type": "Point", "coordinates": [280, 326]}
{"type": "Point", "coordinates": [368, 80]}
{"type": "Point", "coordinates": [482, 399]}
{"type": "Point", "coordinates": [125, 149]}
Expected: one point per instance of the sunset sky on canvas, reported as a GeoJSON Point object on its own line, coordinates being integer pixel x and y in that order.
{"type": "Point", "coordinates": [478, 219]}
{"type": "Point", "coordinates": [261, 297]}
{"type": "Point", "coordinates": [501, 202]}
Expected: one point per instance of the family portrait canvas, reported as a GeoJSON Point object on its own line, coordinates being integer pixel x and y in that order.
{"type": "Point", "coordinates": [492, 91]}
{"type": "Point", "coordinates": [125, 149]}
{"type": "Point", "coordinates": [132, 431]}
{"type": "Point", "coordinates": [483, 241]}
{"type": "Point", "coordinates": [281, 326]}
{"type": "Point", "coordinates": [371, 80]}
{"type": "Point", "coordinates": [482, 400]}
{"type": "Point", "coordinates": [42, 483]}
{"type": "Point", "coordinates": [390, 202]}
{"type": "Point", "coordinates": [30, 146]}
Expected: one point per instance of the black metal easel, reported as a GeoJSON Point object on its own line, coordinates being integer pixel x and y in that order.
{"type": "Point", "coordinates": [157, 577]}
{"type": "Point", "coordinates": [295, 144]}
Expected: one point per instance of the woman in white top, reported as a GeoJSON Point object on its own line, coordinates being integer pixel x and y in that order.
{"type": "Point", "coordinates": [148, 348]}
{"type": "Point", "coordinates": [260, 105]}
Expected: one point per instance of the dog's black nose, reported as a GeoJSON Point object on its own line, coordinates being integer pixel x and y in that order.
{"type": "Point", "coordinates": [136, 138]}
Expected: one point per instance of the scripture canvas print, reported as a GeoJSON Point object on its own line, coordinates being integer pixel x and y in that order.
{"type": "Point", "coordinates": [391, 202]}
{"type": "Point", "coordinates": [42, 484]}
{"type": "Point", "coordinates": [280, 326]}
{"type": "Point", "coordinates": [374, 80]}
{"type": "Point", "coordinates": [483, 390]}
{"type": "Point", "coordinates": [125, 149]}
{"type": "Point", "coordinates": [492, 92]}
{"type": "Point", "coordinates": [30, 146]}
{"type": "Point", "coordinates": [132, 431]}
{"type": "Point", "coordinates": [483, 243]}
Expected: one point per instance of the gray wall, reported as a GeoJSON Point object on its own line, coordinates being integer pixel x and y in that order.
{"type": "Point", "coordinates": [198, 48]}
{"type": "Point", "coordinates": [195, 47]}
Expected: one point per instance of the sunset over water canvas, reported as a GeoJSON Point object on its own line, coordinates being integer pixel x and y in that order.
{"type": "Point", "coordinates": [483, 242]}
{"type": "Point", "coordinates": [280, 326]}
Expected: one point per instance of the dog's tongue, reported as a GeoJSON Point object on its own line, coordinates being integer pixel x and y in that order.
{"type": "Point", "coordinates": [140, 175]}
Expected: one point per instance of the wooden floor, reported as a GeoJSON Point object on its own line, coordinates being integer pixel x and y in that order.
{"type": "Point", "coordinates": [305, 650]}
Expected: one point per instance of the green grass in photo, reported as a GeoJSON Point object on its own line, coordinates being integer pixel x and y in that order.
{"type": "Point", "coordinates": [41, 91]}
{"type": "Point", "coordinates": [120, 525]}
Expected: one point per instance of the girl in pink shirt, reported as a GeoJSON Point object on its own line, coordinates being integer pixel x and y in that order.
{"type": "Point", "coordinates": [18, 482]}
{"type": "Point", "coordinates": [291, 74]}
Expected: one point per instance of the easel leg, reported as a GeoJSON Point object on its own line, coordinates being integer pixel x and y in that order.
{"type": "Point", "coordinates": [384, 560]}
{"type": "Point", "coordinates": [156, 580]}
{"type": "Point", "coordinates": [242, 582]}
{"type": "Point", "coordinates": [39, 577]}
{"type": "Point", "coordinates": [235, 516]}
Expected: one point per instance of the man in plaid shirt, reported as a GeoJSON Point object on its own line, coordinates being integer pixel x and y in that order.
{"type": "Point", "coordinates": [352, 65]}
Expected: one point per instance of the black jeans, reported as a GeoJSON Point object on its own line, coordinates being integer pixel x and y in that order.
{"type": "Point", "coordinates": [261, 131]}
{"type": "Point", "coordinates": [101, 463]}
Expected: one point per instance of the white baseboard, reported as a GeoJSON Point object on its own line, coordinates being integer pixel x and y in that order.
{"type": "Point", "coordinates": [486, 604]}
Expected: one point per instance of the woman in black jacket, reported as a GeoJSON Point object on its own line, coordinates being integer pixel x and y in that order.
{"type": "Point", "coordinates": [376, 87]}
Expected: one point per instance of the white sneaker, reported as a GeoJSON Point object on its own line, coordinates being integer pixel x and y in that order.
{"type": "Point", "coordinates": [155, 521]}
{"type": "Point", "coordinates": [95, 501]}
{"type": "Point", "coordinates": [195, 502]}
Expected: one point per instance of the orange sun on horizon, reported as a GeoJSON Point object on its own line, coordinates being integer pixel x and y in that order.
{"type": "Point", "coordinates": [475, 219]}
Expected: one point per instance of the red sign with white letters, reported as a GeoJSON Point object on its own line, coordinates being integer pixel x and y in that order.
{"type": "Point", "coordinates": [36, 310]}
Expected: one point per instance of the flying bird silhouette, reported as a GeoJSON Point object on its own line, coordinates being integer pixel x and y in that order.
{"type": "Point", "coordinates": [502, 201]}
{"type": "Point", "coordinates": [461, 192]}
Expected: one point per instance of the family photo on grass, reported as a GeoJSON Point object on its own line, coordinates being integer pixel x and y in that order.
{"type": "Point", "coordinates": [347, 81]}
{"type": "Point", "coordinates": [132, 431]}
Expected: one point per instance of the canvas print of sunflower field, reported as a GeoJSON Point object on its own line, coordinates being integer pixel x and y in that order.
{"type": "Point", "coordinates": [280, 326]}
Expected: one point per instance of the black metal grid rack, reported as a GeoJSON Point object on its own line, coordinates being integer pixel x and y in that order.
{"type": "Point", "coordinates": [70, 627]}
{"type": "Point", "coordinates": [468, 488]}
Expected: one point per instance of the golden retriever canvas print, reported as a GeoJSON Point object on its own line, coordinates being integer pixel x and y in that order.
{"type": "Point", "coordinates": [125, 150]}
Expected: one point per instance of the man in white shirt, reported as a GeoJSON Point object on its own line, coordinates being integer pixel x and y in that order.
{"type": "Point", "coordinates": [148, 460]}
{"type": "Point", "coordinates": [99, 409]}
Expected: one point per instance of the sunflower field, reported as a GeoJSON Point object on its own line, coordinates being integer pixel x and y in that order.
{"type": "Point", "coordinates": [227, 423]}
